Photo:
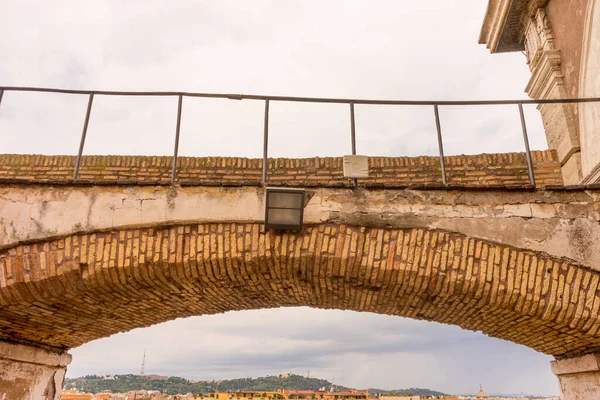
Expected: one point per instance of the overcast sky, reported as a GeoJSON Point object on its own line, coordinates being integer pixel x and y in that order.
{"type": "Point", "coordinates": [360, 49]}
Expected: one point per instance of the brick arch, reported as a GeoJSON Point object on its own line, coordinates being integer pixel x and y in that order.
{"type": "Point", "coordinates": [69, 291]}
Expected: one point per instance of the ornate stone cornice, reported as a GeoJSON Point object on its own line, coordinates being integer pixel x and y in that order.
{"type": "Point", "coordinates": [503, 24]}
{"type": "Point", "coordinates": [546, 76]}
{"type": "Point", "coordinates": [538, 38]}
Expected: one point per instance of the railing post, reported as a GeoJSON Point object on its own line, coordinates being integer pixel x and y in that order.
{"type": "Point", "coordinates": [353, 138]}
{"type": "Point", "coordinates": [265, 143]}
{"type": "Point", "coordinates": [440, 143]}
{"type": "Point", "coordinates": [176, 149]}
{"type": "Point", "coordinates": [353, 129]}
{"type": "Point", "coordinates": [527, 150]}
{"type": "Point", "coordinates": [83, 135]}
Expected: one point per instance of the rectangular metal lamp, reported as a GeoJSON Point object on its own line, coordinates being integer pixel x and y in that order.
{"type": "Point", "coordinates": [284, 209]}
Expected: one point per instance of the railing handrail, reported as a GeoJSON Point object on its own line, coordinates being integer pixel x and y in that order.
{"type": "Point", "coordinates": [233, 96]}
{"type": "Point", "coordinates": [351, 102]}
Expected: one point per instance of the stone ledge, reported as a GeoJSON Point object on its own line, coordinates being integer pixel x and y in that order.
{"type": "Point", "coordinates": [587, 363]}
{"type": "Point", "coordinates": [33, 355]}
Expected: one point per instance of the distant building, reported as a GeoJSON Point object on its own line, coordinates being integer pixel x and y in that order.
{"type": "Point", "coordinates": [346, 395]}
{"type": "Point", "coordinates": [143, 395]}
{"type": "Point", "coordinates": [75, 395]}
{"type": "Point", "coordinates": [399, 397]}
{"type": "Point", "coordinates": [246, 395]}
{"type": "Point", "coordinates": [481, 394]}
{"type": "Point", "coordinates": [155, 377]}
{"type": "Point", "coordinates": [301, 394]}
{"type": "Point", "coordinates": [290, 395]}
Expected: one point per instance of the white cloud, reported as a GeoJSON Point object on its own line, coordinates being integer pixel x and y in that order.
{"type": "Point", "coordinates": [383, 49]}
{"type": "Point", "coordinates": [350, 348]}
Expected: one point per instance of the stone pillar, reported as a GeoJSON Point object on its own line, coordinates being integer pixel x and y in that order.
{"type": "Point", "coordinates": [579, 378]}
{"type": "Point", "coordinates": [28, 373]}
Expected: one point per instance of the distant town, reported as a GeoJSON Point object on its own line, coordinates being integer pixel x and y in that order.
{"type": "Point", "coordinates": [158, 387]}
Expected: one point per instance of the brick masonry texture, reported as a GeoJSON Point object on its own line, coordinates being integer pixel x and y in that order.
{"type": "Point", "coordinates": [484, 170]}
{"type": "Point", "coordinates": [65, 292]}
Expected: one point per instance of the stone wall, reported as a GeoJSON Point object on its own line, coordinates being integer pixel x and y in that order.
{"type": "Point", "coordinates": [31, 373]}
{"type": "Point", "coordinates": [578, 378]}
{"type": "Point", "coordinates": [482, 170]}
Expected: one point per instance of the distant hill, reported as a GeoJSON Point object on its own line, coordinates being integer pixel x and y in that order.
{"type": "Point", "coordinates": [175, 385]}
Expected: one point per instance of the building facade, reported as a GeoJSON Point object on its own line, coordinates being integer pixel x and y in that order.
{"type": "Point", "coordinates": [561, 43]}
{"type": "Point", "coordinates": [293, 394]}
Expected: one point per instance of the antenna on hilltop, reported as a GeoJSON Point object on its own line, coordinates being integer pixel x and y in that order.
{"type": "Point", "coordinates": [143, 363]}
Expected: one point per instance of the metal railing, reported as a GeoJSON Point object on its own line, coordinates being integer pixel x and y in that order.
{"type": "Point", "coordinates": [268, 99]}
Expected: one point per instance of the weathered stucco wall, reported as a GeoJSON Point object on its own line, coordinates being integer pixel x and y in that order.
{"type": "Point", "coordinates": [29, 373]}
{"type": "Point", "coordinates": [560, 223]}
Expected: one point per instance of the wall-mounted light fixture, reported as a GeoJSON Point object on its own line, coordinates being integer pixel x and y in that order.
{"type": "Point", "coordinates": [284, 208]}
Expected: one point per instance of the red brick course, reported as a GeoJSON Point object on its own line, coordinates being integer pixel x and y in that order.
{"type": "Point", "coordinates": [485, 170]}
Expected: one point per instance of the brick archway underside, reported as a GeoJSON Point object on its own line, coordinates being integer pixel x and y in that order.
{"type": "Point", "coordinates": [66, 292]}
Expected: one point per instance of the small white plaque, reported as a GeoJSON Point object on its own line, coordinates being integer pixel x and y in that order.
{"type": "Point", "coordinates": [356, 166]}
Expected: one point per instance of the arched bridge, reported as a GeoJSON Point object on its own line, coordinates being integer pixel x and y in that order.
{"type": "Point", "coordinates": [121, 248]}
